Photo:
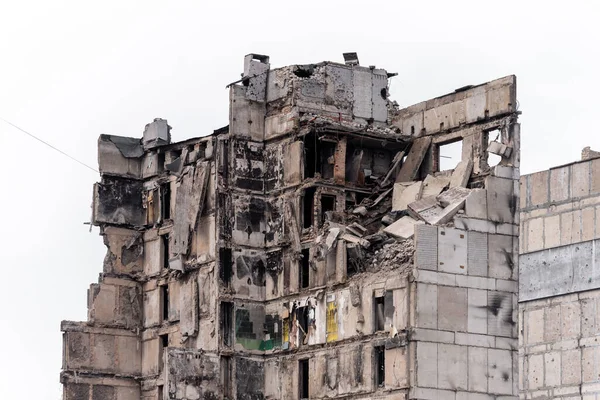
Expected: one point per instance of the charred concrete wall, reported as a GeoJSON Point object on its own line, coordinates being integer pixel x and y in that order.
{"type": "Point", "coordinates": [559, 285]}
{"type": "Point", "coordinates": [313, 248]}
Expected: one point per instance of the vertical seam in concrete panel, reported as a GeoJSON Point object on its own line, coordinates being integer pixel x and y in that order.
{"type": "Point", "coordinates": [543, 232]}
{"type": "Point", "coordinates": [589, 192]}
{"type": "Point", "coordinates": [525, 234]}
{"type": "Point", "coordinates": [569, 177]}
{"type": "Point", "coordinates": [580, 213]}
{"type": "Point", "coordinates": [595, 229]}
{"type": "Point", "coordinates": [560, 229]}
{"type": "Point", "coordinates": [527, 192]}
{"type": "Point", "coordinates": [549, 186]}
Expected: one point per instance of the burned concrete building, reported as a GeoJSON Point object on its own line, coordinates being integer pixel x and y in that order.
{"type": "Point", "coordinates": [316, 247]}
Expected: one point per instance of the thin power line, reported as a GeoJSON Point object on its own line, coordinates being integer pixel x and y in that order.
{"type": "Point", "coordinates": [48, 144]}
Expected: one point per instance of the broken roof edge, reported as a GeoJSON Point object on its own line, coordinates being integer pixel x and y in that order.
{"type": "Point", "coordinates": [128, 147]}
{"type": "Point", "coordinates": [325, 63]}
{"type": "Point", "coordinates": [459, 94]}
{"type": "Point", "coordinates": [121, 142]}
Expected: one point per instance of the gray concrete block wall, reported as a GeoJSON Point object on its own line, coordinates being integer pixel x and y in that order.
{"type": "Point", "coordinates": [559, 323]}
{"type": "Point", "coordinates": [560, 206]}
{"type": "Point", "coordinates": [465, 332]}
{"type": "Point", "coordinates": [559, 355]}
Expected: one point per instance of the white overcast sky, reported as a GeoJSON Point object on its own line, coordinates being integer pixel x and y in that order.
{"type": "Point", "coordinates": [72, 70]}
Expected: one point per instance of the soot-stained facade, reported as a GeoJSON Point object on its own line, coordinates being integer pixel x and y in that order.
{"type": "Point", "coordinates": [315, 247]}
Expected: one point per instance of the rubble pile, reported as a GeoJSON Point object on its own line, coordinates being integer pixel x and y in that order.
{"type": "Point", "coordinates": [379, 231]}
{"type": "Point", "coordinates": [391, 255]}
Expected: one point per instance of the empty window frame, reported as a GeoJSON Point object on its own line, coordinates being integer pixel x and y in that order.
{"type": "Point", "coordinates": [165, 201]}
{"type": "Point", "coordinates": [164, 299]}
{"type": "Point", "coordinates": [327, 204]}
{"type": "Point", "coordinates": [226, 322]}
{"type": "Point", "coordinates": [308, 207]}
{"type": "Point", "coordinates": [165, 246]}
{"type": "Point", "coordinates": [164, 344]}
{"type": "Point", "coordinates": [224, 164]}
{"type": "Point", "coordinates": [303, 379]}
{"type": "Point", "coordinates": [447, 155]}
{"type": "Point", "coordinates": [327, 158]}
{"type": "Point", "coordinates": [379, 364]}
{"type": "Point", "coordinates": [319, 155]}
{"type": "Point", "coordinates": [378, 313]}
{"type": "Point", "coordinates": [226, 376]}
{"type": "Point", "coordinates": [225, 265]}
{"type": "Point", "coordinates": [304, 270]}
{"type": "Point", "coordinates": [310, 155]}
{"type": "Point", "coordinates": [302, 318]}
{"type": "Point", "coordinates": [354, 259]}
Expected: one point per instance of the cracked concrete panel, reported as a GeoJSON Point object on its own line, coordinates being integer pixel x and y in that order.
{"type": "Point", "coordinates": [247, 118]}
{"type": "Point", "coordinates": [77, 350]}
{"type": "Point", "coordinates": [120, 156]}
{"type": "Point", "coordinates": [340, 87]}
{"type": "Point", "coordinates": [410, 168]}
{"type": "Point", "coordinates": [76, 391]}
{"type": "Point", "coordinates": [125, 249]}
{"type": "Point", "coordinates": [248, 165]}
{"type": "Point", "coordinates": [283, 123]}
{"type": "Point", "coordinates": [203, 241]}
{"type": "Point", "coordinates": [293, 163]}
{"type": "Point", "coordinates": [188, 300]}
{"type": "Point", "coordinates": [396, 368]}
{"type": "Point", "coordinates": [189, 204]}
{"type": "Point", "coordinates": [379, 95]}
{"type": "Point", "coordinates": [250, 379]}
{"type": "Point", "coordinates": [191, 374]}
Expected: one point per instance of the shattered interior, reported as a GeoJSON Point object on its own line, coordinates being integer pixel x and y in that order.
{"type": "Point", "coordinates": [312, 248]}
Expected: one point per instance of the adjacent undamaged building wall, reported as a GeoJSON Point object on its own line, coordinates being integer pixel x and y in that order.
{"type": "Point", "coordinates": [559, 289]}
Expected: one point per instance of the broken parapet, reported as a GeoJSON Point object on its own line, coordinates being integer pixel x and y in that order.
{"type": "Point", "coordinates": [587, 153]}
{"type": "Point", "coordinates": [156, 133]}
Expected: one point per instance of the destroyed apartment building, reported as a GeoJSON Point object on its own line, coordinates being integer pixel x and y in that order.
{"type": "Point", "coordinates": [316, 247]}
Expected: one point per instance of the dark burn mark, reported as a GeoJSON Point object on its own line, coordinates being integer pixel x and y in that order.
{"type": "Point", "coordinates": [512, 204]}
{"type": "Point", "coordinates": [250, 379]}
{"type": "Point", "coordinates": [304, 71]}
{"type": "Point", "coordinates": [509, 320]}
{"type": "Point", "coordinates": [252, 267]}
{"type": "Point", "coordinates": [274, 264]}
{"type": "Point", "coordinates": [358, 365]}
{"type": "Point", "coordinates": [131, 251]}
{"type": "Point", "coordinates": [495, 304]}
{"type": "Point", "coordinates": [505, 376]}
{"type": "Point", "coordinates": [249, 220]}
{"type": "Point", "coordinates": [120, 201]}
{"type": "Point", "coordinates": [509, 259]}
